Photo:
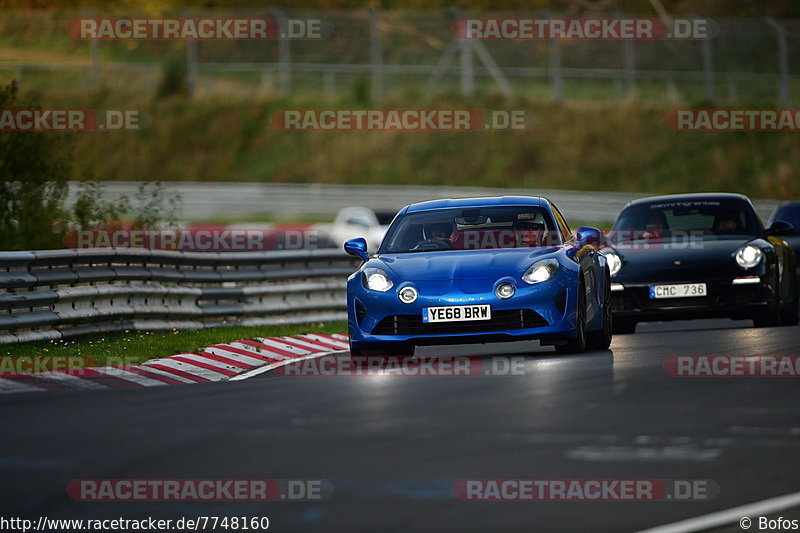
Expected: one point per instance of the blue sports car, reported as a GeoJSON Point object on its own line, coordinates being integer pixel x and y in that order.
{"type": "Point", "coordinates": [477, 270]}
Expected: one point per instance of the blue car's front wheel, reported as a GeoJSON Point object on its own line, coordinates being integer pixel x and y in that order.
{"type": "Point", "coordinates": [601, 339]}
{"type": "Point", "coordinates": [578, 343]}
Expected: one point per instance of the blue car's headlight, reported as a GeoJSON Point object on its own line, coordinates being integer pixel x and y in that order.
{"type": "Point", "coordinates": [408, 295]}
{"type": "Point", "coordinates": [376, 279]}
{"type": "Point", "coordinates": [749, 256]}
{"type": "Point", "coordinates": [540, 271]}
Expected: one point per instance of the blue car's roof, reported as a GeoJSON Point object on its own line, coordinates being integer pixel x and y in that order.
{"type": "Point", "coordinates": [486, 201]}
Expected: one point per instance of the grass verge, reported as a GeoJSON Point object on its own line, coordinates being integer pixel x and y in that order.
{"type": "Point", "coordinates": [134, 347]}
{"type": "Point", "coordinates": [594, 146]}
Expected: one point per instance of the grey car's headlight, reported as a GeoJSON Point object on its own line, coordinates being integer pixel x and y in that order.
{"type": "Point", "coordinates": [540, 271]}
{"type": "Point", "coordinates": [749, 256]}
{"type": "Point", "coordinates": [376, 279]}
{"type": "Point", "coordinates": [614, 262]}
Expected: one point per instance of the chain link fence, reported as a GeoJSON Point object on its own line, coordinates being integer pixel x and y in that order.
{"type": "Point", "coordinates": [376, 55]}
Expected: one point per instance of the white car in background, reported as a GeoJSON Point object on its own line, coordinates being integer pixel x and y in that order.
{"type": "Point", "coordinates": [352, 222]}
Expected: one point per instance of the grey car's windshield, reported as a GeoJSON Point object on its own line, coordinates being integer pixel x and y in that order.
{"type": "Point", "coordinates": [472, 228]}
{"type": "Point", "coordinates": [701, 218]}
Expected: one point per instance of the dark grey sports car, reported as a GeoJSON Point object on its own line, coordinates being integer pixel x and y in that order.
{"type": "Point", "coordinates": [699, 256]}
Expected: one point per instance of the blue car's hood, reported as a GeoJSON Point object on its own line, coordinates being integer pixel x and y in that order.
{"type": "Point", "coordinates": [462, 264]}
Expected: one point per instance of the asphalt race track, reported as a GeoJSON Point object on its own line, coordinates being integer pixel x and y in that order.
{"type": "Point", "coordinates": [393, 446]}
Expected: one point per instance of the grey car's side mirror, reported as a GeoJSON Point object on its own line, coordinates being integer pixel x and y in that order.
{"type": "Point", "coordinates": [780, 227]}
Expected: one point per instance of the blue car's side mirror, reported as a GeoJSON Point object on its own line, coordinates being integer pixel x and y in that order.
{"type": "Point", "coordinates": [587, 236]}
{"type": "Point", "coordinates": [357, 247]}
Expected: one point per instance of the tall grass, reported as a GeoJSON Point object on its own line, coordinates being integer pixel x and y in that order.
{"type": "Point", "coordinates": [584, 146]}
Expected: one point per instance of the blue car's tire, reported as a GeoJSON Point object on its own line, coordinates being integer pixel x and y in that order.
{"type": "Point", "coordinates": [577, 344]}
{"type": "Point", "coordinates": [601, 339]}
{"type": "Point", "coordinates": [355, 351]}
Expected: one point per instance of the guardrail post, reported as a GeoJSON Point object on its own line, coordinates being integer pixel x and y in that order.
{"type": "Point", "coordinates": [672, 91]}
{"type": "Point", "coordinates": [556, 81]}
{"type": "Point", "coordinates": [708, 68]}
{"type": "Point", "coordinates": [94, 54]}
{"type": "Point", "coordinates": [375, 55]}
{"type": "Point", "coordinates": [438, 72]}
{"type": "Point", "coordinates": [284, 54]}
{"type": "Point", "coordinates": [93, 50]}
{"type": "Point", "coordinates": [628, 60]}
{"type": "Point", "coordinates": [465, 47]}
{"type": "Point", "coordinates": [329, 85]}
{"type": "Point", "coordinates": [783, 59]}
{"type": "Point", "coordinates": [733, 91]}
{"type": "Point", "coordinates": [630, 65]}
{"type": "Point", "coordinates": [467, 70]}
{"type": "Point", "coordinates": [266, 80]}
{"type": "Point", "coordinates": [191, 67]}
{"type": "Point", "coordinates": [494, 70]}
{"type": "Point", "coordinates": [191, 62]}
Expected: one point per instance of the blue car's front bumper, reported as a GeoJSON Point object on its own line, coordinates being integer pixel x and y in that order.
{"type": "Point", "coordinates": [534, 312]}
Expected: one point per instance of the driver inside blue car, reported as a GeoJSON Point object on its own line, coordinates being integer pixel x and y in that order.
{"type": "Point", "coordinates": [437, 233]}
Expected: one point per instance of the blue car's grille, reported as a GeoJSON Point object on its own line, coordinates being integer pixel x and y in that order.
{"type": "Point", "coordinates": [500, 321]}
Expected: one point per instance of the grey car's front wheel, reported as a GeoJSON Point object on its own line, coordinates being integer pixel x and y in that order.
{"type": "Point", "coordinates": [624, 326]}
{"type": "Point", "coordinates": [790, 316]}
{"type": "Point", "coordinates": [771, 319]}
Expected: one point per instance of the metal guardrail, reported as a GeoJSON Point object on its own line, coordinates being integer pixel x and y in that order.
{"type": "Point", "coordinates": [55, 294]}
{"type": "Point", "coordinates": [247, 199]}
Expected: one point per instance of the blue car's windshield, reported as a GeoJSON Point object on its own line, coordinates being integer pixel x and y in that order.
{"type": "Point", "coordinates": [471, 228]}
{"type": "Point", "coordinates": [701, 218]}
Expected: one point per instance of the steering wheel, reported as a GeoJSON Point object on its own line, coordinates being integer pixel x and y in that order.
{"type": "Point", "coordinates": [432, 244]}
